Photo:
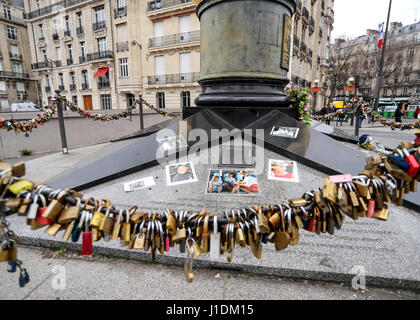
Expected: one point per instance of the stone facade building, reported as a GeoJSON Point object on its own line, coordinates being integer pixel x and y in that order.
{"type": "Point", "coordinates": [313, 23]}
{"type": "Point", "coordinates": [17, 83]}
{"type": "Point", "coordinates": [401, 77]}
{"type": "Point", "coordinates": [147, 47]}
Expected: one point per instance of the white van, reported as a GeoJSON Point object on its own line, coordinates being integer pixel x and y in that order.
{"type": "Point", "coordinates": [25, 106]}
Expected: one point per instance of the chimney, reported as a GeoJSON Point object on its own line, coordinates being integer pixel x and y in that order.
{"type": "Point", "coordinates": [395, 25]}
{"type": "Point", "coordinates": [339, 41]}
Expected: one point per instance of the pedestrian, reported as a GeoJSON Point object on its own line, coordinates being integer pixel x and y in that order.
{"type": "Point", "coordinates": [363, 116]}
{"type": "Point", "coordinates": [341, 117]}
{"type": "Point", "coordinates": [399, 112]}
{"type": "Point", "coordinates": [417, 113]}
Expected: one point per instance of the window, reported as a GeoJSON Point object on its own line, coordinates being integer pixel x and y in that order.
{"type": "Point", "coordinates": [160, 100]}
{"type": "Point", "coordinates": [185, 99]}
{"type": "Point", "coordinates": [79, 19]}
{"type": "Point", "coordinates": [101, 42]}
{"type": "Point", "coordinates": [100, 14]}
{"type": "Point", "coordinates": [17, 68]}
{"type": "Point", "coordinates": [3, 86]}
{"type": "Point", "coordinates": [11, 33]}
{"type": "Point", "coordinates": [58, 53]}
{"type": "Point", "coordinates": [61, 81]}
{"type": "Point", "coordinates": [74, 100]}
{"type": "Point", "coordinates": [67, 24]}
{"type": "Point", "coordinates": [85, 81]}
{"type": "Point", "coordinates": [411, 52]}
{"type": "Point", "coordinates": [7, 12]}
{"type": "Point", "coordinates": [82, 49]}
{"type": "Point", "coordinates": [406, 79]}
{"type": "Point", "coordinates": [72, 79]}
{"type": "Point", "coordinates": [106, 103]}
{"type": "Point", "coordinates": [37, 4]}
{"type": "Point", "coordinates": [4, 103]}
{"type": "Point", "coordinates": [405, 91]}
{"type": "Point", "coordinates": [14, 50]}
{"type": "Point", "coordinates": [20, 87]}
{"type": "Point", "coordinates": [47, 80]}
{"type": "Point", "coordinates": [130, 99]}
{"type": "Point", "coordinates": [124, 68]}
{"type": "Point", "coordinates": [55, 27]}
{"type": "Point", "coordinates": [70, 52]}
{"type": "Point", "coordinates": [120, 3]}
{"type": "Point", "coordinates": [41, 32]}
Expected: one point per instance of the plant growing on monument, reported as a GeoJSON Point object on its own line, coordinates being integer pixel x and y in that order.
{"type": "Point", "coordinates": [300, 99]}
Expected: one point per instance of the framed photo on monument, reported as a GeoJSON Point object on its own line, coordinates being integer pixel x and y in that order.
{"type": "Point", "coordinates": [285, 132]}
{"type": "Point", "coordinates": [283, 170]}
{"type": "Point", "coordinates": [180, 173]}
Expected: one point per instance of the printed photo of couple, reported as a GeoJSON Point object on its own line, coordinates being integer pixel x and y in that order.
{"type": "Point", "coordinates": [237, 182]}
{"type": "Point", "coordinates": [282, 170]}
{"type": "Point", "coordinates": [180, 173]}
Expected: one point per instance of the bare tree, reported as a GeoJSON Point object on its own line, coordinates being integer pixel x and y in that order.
{"type": "Point", "coordinates": [339, 65]}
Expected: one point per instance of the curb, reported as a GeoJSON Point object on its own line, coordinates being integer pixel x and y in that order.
{"type": "Point", "coordinates": [333, 277]}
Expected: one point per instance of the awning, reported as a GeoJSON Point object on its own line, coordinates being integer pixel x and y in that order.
{"type": "Point", "coordinates": [101, 72]}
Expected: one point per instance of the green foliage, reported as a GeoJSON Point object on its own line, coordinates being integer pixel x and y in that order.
{"type": "Point", "coordinates": [300, 99]}
{"type": "Point", "coordinates": [26, 152]}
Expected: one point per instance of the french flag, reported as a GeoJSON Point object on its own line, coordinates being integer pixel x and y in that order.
{"type": "Point", "coordinates": [381, 37]}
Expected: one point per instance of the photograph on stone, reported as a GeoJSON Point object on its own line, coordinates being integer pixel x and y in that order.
{"type": "Point", "coordinates": [243, 183]}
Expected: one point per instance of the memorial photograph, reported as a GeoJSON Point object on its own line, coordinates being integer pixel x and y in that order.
{"type": "Point", "coordinates": [233, 182]}
{"type": "Point", "coordinates": [284, 132]}
{"type": "Point", "coordinates": [180, 173]}
{"type": "Point", "coordinates": [283, 170]}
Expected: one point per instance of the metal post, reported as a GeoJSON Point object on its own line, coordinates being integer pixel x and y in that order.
{"type": "Point", "coordinates": [358, 115]}
{"type": "Point", "coordinates": [381, 66]}
{"type": "Point", "coordinates": [61, 124]}
{"type": "Point", "coordinates": [141, 113]}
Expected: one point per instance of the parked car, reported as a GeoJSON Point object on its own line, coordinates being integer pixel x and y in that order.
{"type": "Point", "coordinates": [25, 107]}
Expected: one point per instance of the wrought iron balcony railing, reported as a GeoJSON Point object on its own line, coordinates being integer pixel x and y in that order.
{"type": "Point", "coordinates": [312, 22]}
{"type": "Point", "coordinates": [305, 13]}
{"type": "Point", "coordinates": [67, 33]}
{"type": "Point", "coordinates": [70, 61]}
{"type": "Point", "coordinates": [296, 41]}
{"type": "Point", "coordinates": [104, 84]}
{"type": "Point", "coordinates": [99, 55]}
{"type": "Point", "coordinates": [57, 63]}
{"type": "Point", "coordinates": [15, 56]}
{"type": "Point", "coordinates": [161, 4]}
{"type": "Point", "coordinates": [72, 87]}
{"type": "Point", "coordinates": [10, 74]}
{"type": "Point", "coordinates": [99, 25]}
{"type": "Point", "coordinates": [47, 89]}
{"type": "Point", "coordinates": [61, 88]}
{"type": "Point", "coordinates": [173, 39]}
{"type": "Point", "coordinates": [303, 47]}
{"type": "Point", "coordinates": [82, 59]}
{"type": "Point", "coordinates": [42, 65]}
{"type": "Point", "coordinates": [85, 86]}
{"type": "Point", "coordinates": [174, 78]}
{"type": "Point", "coordinates": [56, 7]}
{"type": "Point", "coordinates": [120, 12]}
{"type": "Point", "coordinates": [11, 18]}
{"type": "Point", "coordinates": [55, 36]}
{"type": "Point", "coordinates": [299, 5]}
{"type": "Point", "coordinates": [80, 31]}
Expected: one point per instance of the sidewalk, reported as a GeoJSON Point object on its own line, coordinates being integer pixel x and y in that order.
{"type": "Point", "coordinates": [99, 277]}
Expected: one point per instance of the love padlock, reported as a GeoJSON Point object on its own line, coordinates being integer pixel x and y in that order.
{"type": "Point", "coordinates": [23, 278]}
{"type": "Point", "coordinates": [11, 266]}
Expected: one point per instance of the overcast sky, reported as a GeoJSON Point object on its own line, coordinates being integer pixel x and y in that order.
{"type": "Point", "coordinates": [352, 18]}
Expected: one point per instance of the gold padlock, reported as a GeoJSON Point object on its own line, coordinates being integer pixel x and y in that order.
{"type": "Point", "coordinates": [70, 213]}
{"type": "Point", "coordinates": [55, 207]}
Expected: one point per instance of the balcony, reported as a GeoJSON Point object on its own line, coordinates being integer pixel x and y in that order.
{"type": "Point", "coordinates": [21, 91]}
{"type": "Point", "coordinates": [97, 26]}
{"type": "Point", "coordinates": [320, 32]}
{"type": "Point", "coordinates": [9, 74]}
{"type": "Point", "coordinates": [311, 24]}
{"type": "Point", "coordinates": [120, 12]}
{"type": "Point", "coordinates": [99, 55]}
{"type": "Point", "coordinates": [296, 41]}
{"type": "Point", "coordinates": [173, 78]}
{"type": "Point", "coordinates": [303, 47]}
{"type": "Point", "coordinates": [175, 39]}
{"type": "Point", "coordinates": [122, 46]}
{"type": "Point", "coordinates": [70, 61]}
{"type": "Point", "coordinates": [55, 36]}
{"type": "Point", "coordinates": [104, 84]}
{"type": "Point", "coordinates": [41, 38]}
{"type": "Point", "coordinates": [56, 7]}
{"type": "Point", "coordinates": [85, 86]}
{"type": "Point", "coordinates": [82, 59]}
{"type": "Point", "coordinates": [67, 33]}
{"type": "Point", "coordinates": [72, 87]}
{"type": "Point", "coordinates": [57, 63]}
{"type": "Point", "coordinates": [42, 65]}
{"type": "Point", "coordinates": [47, 89]}
{"type": "Point", "coordinates": [298, 7]}
{"type": "Point", "coordinates": [15, 56]}
{"type": "Point", "coordinates": [305, 15]}
{"type": "Point", "coordinates": [323, 5]}
{"type": "Point", "coordinates": [61, 88]}
{"type": "Point", "coordinates": [80, 31]}
{"type": "Point", "coordinates": [310, 53]}
{"type": "Point", "coordinates": [158, 8]}
{"type": "Point", "coordinates": [9, 18]}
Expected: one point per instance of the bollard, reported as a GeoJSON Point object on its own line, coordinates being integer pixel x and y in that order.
{"type": "Point", "coordinates": [141, 112]}
{"type": "Point", "coordinates": [61, 124]}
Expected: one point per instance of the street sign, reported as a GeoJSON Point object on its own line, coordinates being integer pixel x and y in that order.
{"type": "Point", "coordinates": [316, 89]}
{"type": "Point", "coordinates": [349, 88]}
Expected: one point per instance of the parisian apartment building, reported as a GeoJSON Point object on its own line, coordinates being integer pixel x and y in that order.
{"type": "Point", "coordinates": [312, 27]}
{"type": "Point", "coordinates": [103, 54]}
{"type": "Point", "coordinates": [401, 72]}
{"type": "Point", "coordinates": [17, 82]}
